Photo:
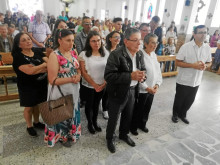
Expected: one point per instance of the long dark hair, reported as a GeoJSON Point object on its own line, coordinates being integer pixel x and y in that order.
{"type": "Point", "coordinates": [56, 25]}
{"type": "Point", "coordinates": [61, 33]}
{"type": "Point", "coordinates": [88, 48]}
{"type": "Point", "coordinates": [16, 49]}
{"type": "Point", "coordinates": [108, 42]}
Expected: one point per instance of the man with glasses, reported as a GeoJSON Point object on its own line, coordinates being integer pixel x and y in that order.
{"type": "Point", "coordinates": [145, 30]}
{"type": "Point", "coordinates": [192, 59]}
{"type": "Point", "coordinates": [124, 69]}
{"type": "Point", "coordinates": [39, 32]}
{"type": "Point", "coordinates": [81, 37]}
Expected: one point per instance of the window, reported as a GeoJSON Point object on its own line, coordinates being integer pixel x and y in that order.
{"type": "Point", "coordinates": [161, 9]}
{"type": "Point", "coordinates": [25, 6]}
{"type": "Point", "coordinates": [179, 10]}
{"type": "Point", "coordinates": [123, 10]}
{"type": "Point", "coordinates": [215, 19]}
{"type": "Point", "coordinates": [138, 13]}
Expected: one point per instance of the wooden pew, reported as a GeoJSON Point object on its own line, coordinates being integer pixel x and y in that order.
{"type": "Point", "coordinates": [165, 59]}
{"type": "Point", "coordinates": [6, 58]}
{"type": "Point", "coordinates": [7, 71]}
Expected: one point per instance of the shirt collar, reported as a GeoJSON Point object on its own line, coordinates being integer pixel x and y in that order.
{"type": "Point", "coordinates": [130, 55]}
{"type": "Point", "coordinates": [194, 44]}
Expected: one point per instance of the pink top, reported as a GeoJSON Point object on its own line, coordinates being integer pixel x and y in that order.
{"type": "Point", "coordinates": [214, 38]}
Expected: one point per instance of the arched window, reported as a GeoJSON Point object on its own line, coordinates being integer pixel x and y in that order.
{"type": "Point", "coordinates": [179, 10]}
{"type": "Point", "coordinates": [215, 19]}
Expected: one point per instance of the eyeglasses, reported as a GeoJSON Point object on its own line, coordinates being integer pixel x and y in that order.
{"type": "Point", "coordinates": [88, 24]}
{"type": "Point", "coordinates": [117, 37]}
{"type": "Point", "coordinates": [94, 41]}
{"type": "Point", "coordinates": [201, 33]}
{"type": "Point", "coordinates": [136, 40]}
{"type": "Point", "coordinates": [146, 30]}
{"type": "Point", "coordinates": [155, 43]}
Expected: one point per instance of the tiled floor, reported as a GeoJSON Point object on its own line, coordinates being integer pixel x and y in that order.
{"type": "Point", "coordinates": [166, 143]}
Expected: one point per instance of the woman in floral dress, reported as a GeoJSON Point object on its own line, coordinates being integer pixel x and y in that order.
{"type": "Point", "coordinates": [64, 67]}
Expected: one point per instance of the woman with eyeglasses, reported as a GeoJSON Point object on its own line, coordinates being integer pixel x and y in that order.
{"type": "Point", "coordinates": [148, 88]}
{"type": "Point", "coordinates": [214, 39]}
{"type": "Point", "coordinates": [31, 68]}
{"type": "Point", "coordinates": [93, 60]}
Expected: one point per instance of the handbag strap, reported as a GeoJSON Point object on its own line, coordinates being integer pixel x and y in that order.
{"type": "Point", "coordinates": [59, 91]}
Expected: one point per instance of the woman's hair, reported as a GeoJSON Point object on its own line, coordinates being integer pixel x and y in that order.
{"type": "Point", "coordinates": [88, 48]}
{"type": "Point", "coordinates": [108, 42]}
{"type": "Point", "coordinates": [56, 25]}
{"type": "Point", "coordinates": [215, 32]}
{"type": "Point", "coordinates": [169, 39]}
{"type": "Point", "coordinates": [16, 49]}
{"type": "Point", "coordinates": [148, 37]}
{"type": "Point", "coordinates": [61, 33]}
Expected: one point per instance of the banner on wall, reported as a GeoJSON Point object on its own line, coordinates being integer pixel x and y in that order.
{"type": "Point", "coordinates": [149, 13]}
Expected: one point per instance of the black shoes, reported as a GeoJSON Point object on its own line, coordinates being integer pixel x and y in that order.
{"type": "Point", "coordinates": [185, 120]}
{"type": "Point", "coordinates": [134, 132]}
{"type": "Point", "coordinates": [111, 146]}
{"type": "Point", "coordinates": [145, 129]}
{"type": "Point", "coordinates": [66, 144]}
{"type": "Point", "coordinates": [39, 125]}
{"type": "Point", "coordinates": [128, 140]}
{"type": "Point", "coordinates": [31, 131]}
{"type": "Point", "coordinates": [97, 128]}
{"type": "Point", "coordinates": [91, 129]}
{"type": "Point", "coordinates": [175, 119]}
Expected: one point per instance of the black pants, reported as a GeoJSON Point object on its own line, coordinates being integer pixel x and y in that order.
{"type": "Point", "coordinates": [141, 111]}
{"type": "Point", "coordinates": [184, 98]}
{"type": "Point", "coordinates": [105, 101]}
{"type": "Point", "coordinates": [92, 105]}
{"type": "Point", "coordinates": [126, 110]}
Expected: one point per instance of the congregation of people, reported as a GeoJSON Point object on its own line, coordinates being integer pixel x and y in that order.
{"type": "Point", "coordinates": [110, 63]}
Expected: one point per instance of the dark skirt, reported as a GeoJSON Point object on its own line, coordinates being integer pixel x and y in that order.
{"type": "Point", "coordinates": [31, 96]}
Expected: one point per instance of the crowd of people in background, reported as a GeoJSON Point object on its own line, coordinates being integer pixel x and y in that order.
{"type": "Point", "coordinates": [108, 62]}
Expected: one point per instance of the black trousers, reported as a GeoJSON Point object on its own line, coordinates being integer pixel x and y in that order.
{"type": "Point", "coordinates": [184, 98]}
{"type": "Point", "coordinates": [126, 110]}
{"type": "Point", "coordinates": [141, 111]}
{"type": "Point", "coordinates": [105, 101]}
{"type": "Point", "coordinates": [92, 105]}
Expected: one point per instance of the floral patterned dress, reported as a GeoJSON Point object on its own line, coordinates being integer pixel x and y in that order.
{"type": "Point", "coordinates": [71, 128]}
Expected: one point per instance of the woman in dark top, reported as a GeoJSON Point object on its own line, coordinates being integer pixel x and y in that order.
{"type": "Point", "coordinates": [31, 70]}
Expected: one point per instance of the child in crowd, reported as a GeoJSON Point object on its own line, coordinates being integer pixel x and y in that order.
{"type": "Point", "coordinates": [170, 49]}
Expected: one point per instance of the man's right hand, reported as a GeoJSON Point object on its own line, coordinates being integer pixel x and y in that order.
{"type": "Point", "coordinates": [138, 75]}
{"type": "Point", "coordinates": [199, 65]}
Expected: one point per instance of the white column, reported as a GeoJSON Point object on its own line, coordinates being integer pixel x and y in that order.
{"type": "Point", "coordinates": [211, 10]}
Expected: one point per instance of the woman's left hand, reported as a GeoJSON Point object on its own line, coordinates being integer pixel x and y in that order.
{"type": "Point", "coordinates": [76, 78]}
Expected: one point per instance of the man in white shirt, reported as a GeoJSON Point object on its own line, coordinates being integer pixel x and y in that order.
{"type": "Point", "coordinates": [12, 30]}
{"type": "Point", "coordinates": [192, 59]}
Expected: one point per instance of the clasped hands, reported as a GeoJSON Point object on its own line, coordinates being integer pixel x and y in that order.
{"type": "Point", "coordinates": [76, 78]}
{"type": "Point", "coordinates": [138, 75]}
{"type": "Point", "coordinates": [199, 65]}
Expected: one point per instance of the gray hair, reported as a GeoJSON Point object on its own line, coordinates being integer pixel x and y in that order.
{"type": "Point", "coordinates": [130, 31]}
{"type": "Point", "coordinates": [148, 37]}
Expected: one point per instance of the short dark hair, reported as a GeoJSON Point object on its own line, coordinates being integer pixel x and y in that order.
{"type": "Point", "coordinates": [88, 48]}
{"type": "Point", "coordinates": [117, 19]}
{"type": "Point", "coordinates": [130, 31]}
{"type": "Point", "coordinates": [198, 27]}
{"type": "Point", "coordinates": [61, 33]}
{"type": "Point", "coordinates": [144, 24]}
{"type": "Point", "coordinates": [156, 19]}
